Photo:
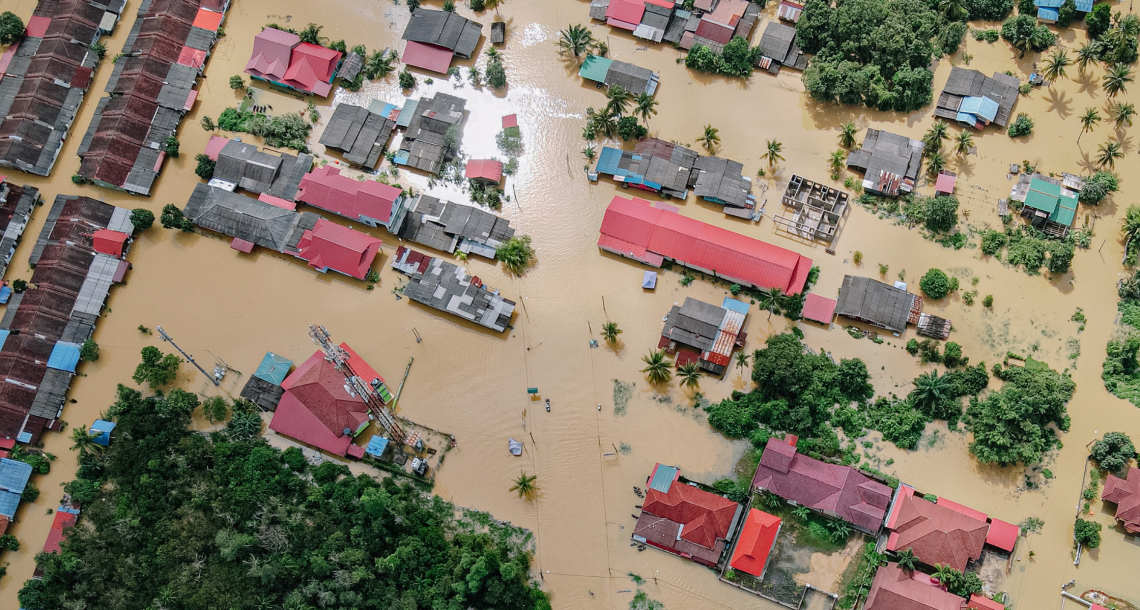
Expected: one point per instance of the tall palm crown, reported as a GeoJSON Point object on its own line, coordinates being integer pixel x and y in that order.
{"type": "Point", "coordinates": [773, 154]}
{"type": "Point", "coordinates": [964, 142]}
{"type": "Point", "coordinates": [575, 40]}
{"type": "Point", "coordinates": [710, 138]}
{"type": "Point", "coordinates": [1088, 120]}
{"type": "Point", "coordinates": [690, 375]}
{"type": "Point", "coordinates": [1108, 153]}
{"type": "Point", "coordinates": [1116, 79]}
{"type": "Point", "coordinates": [847, 133]}
{"type": "Point", "coordinates": [644, 106]}
{"type": "Point", "coordinates": [656, 367]}
{"type": "Point", "coordinates": [1055, 65]}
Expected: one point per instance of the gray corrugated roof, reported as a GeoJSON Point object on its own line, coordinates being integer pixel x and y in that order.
{"type": "Point", "coordinates": [441, 28]}
{"type": "Point", "coordinates": [351, 67]}
{"type": "Point", "coordinates": [776, 42]}
{"type": "Point", "coordinates": [200, 39]}
{"type": "Point", "coordinates": [243, 217]}
{"type": "Point", "coordinates": [441, 224]}
{"type": "Point", "coordinates": [447, 287]}
{"type": "Point", "coordinates": [889, 152]}
{"type": "Point", "coordinates": [874, 302]}
{"type": "Point", "coordinates": [359, 134]}
{"type": "Point", "coordinates": [963, 82]}
{"type": "Point", "coordinates": [634, 79]}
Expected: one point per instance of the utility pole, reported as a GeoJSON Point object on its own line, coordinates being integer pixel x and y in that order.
{"type": "Point", "coordinates": [166, 337]}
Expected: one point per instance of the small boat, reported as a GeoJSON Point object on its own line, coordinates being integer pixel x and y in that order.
{"type": "Point", "coordinates": [515, 447]}
{"type": "Point", "coordinates": [548, 405]}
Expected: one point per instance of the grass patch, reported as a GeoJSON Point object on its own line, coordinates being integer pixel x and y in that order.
{"type": "Point", "coordinates": [623, 391]}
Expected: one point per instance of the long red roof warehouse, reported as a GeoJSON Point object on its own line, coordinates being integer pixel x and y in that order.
{"type": "Point", "coordinates": [635, 229]}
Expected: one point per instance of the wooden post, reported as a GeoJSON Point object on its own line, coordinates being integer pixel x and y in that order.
{"type": "Point", "coordinates": [401, 388]}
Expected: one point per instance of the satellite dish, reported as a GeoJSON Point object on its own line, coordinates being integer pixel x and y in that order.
{"type": "Point", "coordinates": [347, 431]}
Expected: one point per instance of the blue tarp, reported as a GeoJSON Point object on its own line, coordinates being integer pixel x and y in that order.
{"type": "Point", "coordinates": [734, 305]}
{"type": "Point", "coordinates": [376, 446]}
{"type": "Point", "coordinates": [14, 475]}
{"type": "Point", "coordinates": [64, 357]}
{"type": "Point", "coordinates": [273, 368]}
{"type": "Point", "coordinates": [5, 294]}
{"type": "Point", "coordinates": [24, 437]}
{"type": "Point", "coordinates": [8, 504]}
{"type": "Point", "coordinates": [407, 112]}
{"type": "Point", "coordinates": [608, 161]}
{"type": "Point", "coordinates": [974, 110]}
{"type": "Point", "coordinates": [3, 338]}
{"type": "Point", "coordinates": [103, 429]}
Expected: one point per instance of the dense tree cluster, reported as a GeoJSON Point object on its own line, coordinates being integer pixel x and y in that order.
{"type": "Point", "coordinates": [872, 52]}
{"type": "Point", "coordinates": [735, 60]}
{"type": "Point", "coordinates": [1029, 247]}
{"type": "Point", "coordinates": [1098, 186]}
{"type": "Point", "coordinates": [987, 10]}
{"type": "Point", "coordinates": [175, 518]}
{"type": "Point", "coordinates": [1025, 34]}
{"type": "Point", "coordinates": [1019, 422]}
{"type": "Point", "coordinates": [1114, 35]}
{"type": "Point", "coordinates": [1114, 451]}
{"type": "Point", "coordinates": [289, 130]}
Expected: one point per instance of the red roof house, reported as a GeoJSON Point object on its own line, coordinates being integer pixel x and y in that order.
{"type": "Point", "coordinates": [62, 522]}
{"type": "Point", "coordinates": [686, 521]}
{"type": "Point", "coordinates": [1002, 535]}
{"type": "Point", "coordinates": [634, 229]}
{"type": "Point", "coordinates": [1125, 493]}
{"type": "Point", "coordinates": [485, 170]}
{"type": "Point", "coordinates": [894, 589]}
{"type": "Point", "coordinates": [272, 51]}
{"type": "Point", "coordinates": [625, 14]}
{"type": "Point", "coordinates": [370, 202]}
{"type": "Point", "coordinates": [839, 491]}
{"type": "Point", "coordinates": [936, 534]}
{"type": "Point", "coordinates": [977, 602]}
{"type": "Point", "coordinates": [208, 20]}
{"type": "Point", "coordinates": [317, 409]}
{"type": "Point", "coordinates": [214, 146]}
{"type": "Point", "coordinates": [106, 241]}
{"type": "Point", "coordinates": [755, 543]}
{"type": "Point", "coordinates": [311, 68]}
{"type": "Point", "coordinates": [428, 57]}
{"type": "Point", "coordinates": [818, 309]}
{"type": "Point", "coordinates": [330, 246]}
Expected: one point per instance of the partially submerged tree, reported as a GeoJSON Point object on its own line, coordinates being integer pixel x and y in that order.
{"type": "Point", "coordinates": [575, 39]}
{"type": "Point", "coordinates": [656, 367]}
{"type": "Point", "coordinates": [156, 369]}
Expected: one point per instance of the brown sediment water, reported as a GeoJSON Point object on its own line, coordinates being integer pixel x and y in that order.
{"type": "Point", "coordinates": [218, 303]}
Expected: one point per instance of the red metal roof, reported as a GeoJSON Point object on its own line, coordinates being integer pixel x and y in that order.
{"type": "Point", "coordinates": [1125, 493]}
{"type": "Point", "coordinates": [242, 245]}
{"type": "Point", "coordinates": [109, 242]}
{"type": "Point", "coordinates": [819, 309]}
{"type": "Point", "coordinates": [355, 451]}
{"type": "Point", "coordinates": [330, 246]}
{"type": "Point", "coordinates": [427, 57]}
{"type": "Point", "coordinates": [965, 510]}
{"type": "Point", "coordinates": [706, 517]}
{"type": "Point", "coordinates": [511, 120]}
{"type": "Point", "coordinates": [327, 189]}
{"type": "Point", "coordinates": [628, 11]}
{"type": "Point", "coordinates": [945, 183]}
{"type": "Point", "coordinates": [62, 522]}
{"type": "Point", "coordinates": [207, 20]}
{"type": "Point", "coordinates": [712, 30]}
{"type": "Point", "coordinates": [284, 204]}
{"type": "Point", "coordinates": [215, 146]}
{"type": "Point", "coordinates": [272, 52]}
{"type": "Point", "coordinates": [894, 589]}
{"type": "Point", "coordinates": [631, 227]}
{"type": "Point", "coordinates": [195, 58]}
{"type": "Point", "coordinates": [484, 169]}
{"type": "Point", "coordinates": [360, 366]}
{"type": "Point", "coordinates": [755, 542]}
{"type": "Point", "coordinates": [977, 602]}
{"type": "Point", "coordinates": [37, 26]}
{"type": "Point", "coordinates": [316, 407]}
{"type": "Point", "coordinates": [1002, 535]}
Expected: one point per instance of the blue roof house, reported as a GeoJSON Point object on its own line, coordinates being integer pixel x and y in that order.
{"type": "Point", "coordinates": [14, 475]}
{"type": "Point", "coordinates": [1048, 10]}
{"type": "Point", "coordinates": [977, 111]}
{"type": "Point", "coordinates": [273, 368]}
{"type": "Point", "coordinates": [101, 431]}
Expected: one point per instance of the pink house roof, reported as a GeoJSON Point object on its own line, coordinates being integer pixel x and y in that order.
{"type": "Point", "coordinates": [311, 68]}
{"type": "Point", "coordinates": [316, 408]}
{"type": "Point", "coordinates": [242, 245]}
{"type": "Point", "coordinates": [37, 26]}
{"type": "Point", "coordinates": [215, 146]}
{"type": "Point", "coordinates": [327, 189]}
{"type": "Point", "coordinates": [207, 20]}
{"type": "Point", "coordinates": [841, 490]}
{"type": "Point", "coordinates": [945, 183]}
{"type": "Point", "coordinates": [627, 11]}
{"type": "Point", "coordinates": [715, 31]}
{"type": "Point", "coordinates": [194, 58]}
{"type": "Point", "coordinates": [511, 120]}
{"type": "Point", "coordinates": [819, 309]}
{"type": "Point", "coordinates": [330, 246]}
{"type": "Point", "coordinates": [272, 50]}
{"type": "Point", "coordinates": [284, 204]}
{"type": "Point", "coordinates": [1002, 535]}
{"type": "Point", "coordinates": [977, 602]}
{"type": "Point", "coordinates": [427, 57]}
{"type": "Point", "coordinates": [484, 169]}
{"type": "Point", "coordinates": [633, 228]}
{"type": "Point", "coordinates": [755, 542]}
{"type": "Point", "coordinates": [1125, 493]}
{"type": "Point", "coordinates": [106, 241]}
{"type": "Point", "coordinates": [893, 589]}
{"type": "Point", "coordinates": [936, 534]}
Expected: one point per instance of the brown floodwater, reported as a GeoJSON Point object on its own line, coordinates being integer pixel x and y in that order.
{"type": "Point", "coordinates": [219, 303]}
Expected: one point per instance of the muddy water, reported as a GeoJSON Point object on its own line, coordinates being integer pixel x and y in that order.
{"type": "Point", "coordinates": [218, 303]}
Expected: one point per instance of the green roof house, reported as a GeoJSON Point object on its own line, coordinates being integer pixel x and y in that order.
{"type": "Point", "coordinates": [273, 368]}
{"type": "Point", "coordinates": [1050, 207]}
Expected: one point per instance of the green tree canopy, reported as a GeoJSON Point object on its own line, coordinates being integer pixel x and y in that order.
{"type": "Point", "coordinates": [1113, 451]}
{"type": "Point", "coordinates": [156, 369]}
{"type": "Point", "coordinates": [1019, 422]}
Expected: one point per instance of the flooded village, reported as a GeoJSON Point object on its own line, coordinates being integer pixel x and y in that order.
{"type": "Point", "coordinates": [719, 342]}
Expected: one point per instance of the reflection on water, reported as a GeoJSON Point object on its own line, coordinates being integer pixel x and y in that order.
{"type": "Point", "coordinates": [238, 306]}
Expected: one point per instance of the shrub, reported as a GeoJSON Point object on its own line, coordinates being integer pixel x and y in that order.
{"type": "Point", "coordinates": [987, 35]}
{"type": "Point", "coordinates": [988, 301]}
{"type": "Point", "coordinates": [495, 74]}
{"type": "Point", "coordinates": [517, 254]}
{"type": "Point", "coordinates": [142, 219]}
{"type": "Point", "coordinates": [941, 214]}
{"type": "Point", "coordinates": [173, 218]}
{"type": "Point", "coordinates": [407, 79]}
{"type": "Point", "coordinates": [78, 180]}
{"type": "Point", "coordinates": [1022, 126]}
{"type": "Point", "coordinates": [11, 28]}
{"type": "Point", "coordinates": [629, 129]}
{"type": "Point", "coordinates": [993, 242]}
{"type": "Point", "coordinates": [1113, 451]}
{"type": "Point", "coordinates": [1065, 13]}
{"type": "Point", "coordinates": [952, 355]}
{"type": "Point", "coordinates": [237, 83]}
{"type": "Point", "coordinates": [509, 141]}
{"type": "Point", "coordinates": [205, 168]}
{"type": "Point", "coordinates": [208, 124]}
{"type": "Point", "coordinates": [1087, 533]}
{"type": "Point", "coordinates": [857, 257]}
{"type": "Point", "coordinates": [31, 492]}
{"type": "Point", "coordinates": [912, 347]}
{"type": "Point", "coordinates": [89, 351]}
{"type": "Point", "coordinates": [1098, 186]}
{"type": "Point", "coordinates": [1098, 20]}
{"type": "Point", "coordinates": [935, 284]}
{"type": "Point", "coordinates": [477, 5]}
{"type": "Point", "coordinates": [170, 146]}
{"type": "Point", "coordinates": [19, 286]}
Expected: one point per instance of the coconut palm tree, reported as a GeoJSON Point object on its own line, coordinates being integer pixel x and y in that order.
{"type": "Point", "coordinates": [690, 375]}
{"type": "Point", "coordinates": [644, 106]}
{"type": "Point", "coordinates": [1108, 153]}
{"type": "Point", "coordinates": [1088, 120]}
{"type": "Point", "coordinates": [932, 141]}
{"type": "Point", "coordinates": [1131, 227]}
{"type": "Point", "coordinates": [84, 442]}
{"type": "Point", "coordinates": [590, 153]}
{"type": "Point", "coordinates": [773, 154]}
{"type": "Point", "coordinates": [525, 485]}
{"type": "Point", "coordinates": [1116, 79]}
{"type": "Point", "coordinates": [964, 142]}
{"type": "Point", "coordinates": [610, 331]}
{"type": "Point", "coordinates": [575, 39]}
{"type": "Point", "coordinates": [1055, 66]}
{"type": "Point", "coordinates": [710, 138]}
{"type": "Point", "coordinates": [1086, 55]}
{"type": "Point", "coordinates": [770, 300]}
{"type": "Point", "coordinates": [839, 529]}
{"type": "Point", "coordinates": [930, 389]}
{"type": "Point", "coordinates": [847, 133]}
{"type": "Point", "coordinates": [935, 163]}
{"type": "Point", "coordinates": [836, 160]}
{"type": "Point", "coordinates": [656, 367]}
{"type": "Point", "coordinates": [907, 560]}
{"type": "Point", "coordinates": [944, 573]}
{"type": "Point", "coordinates": [493, 54]}
{"type": "Point", "coordinates": [953, 9]}
{"type": "Point", "coordinates": [742, 357]}
{"type": "Point", "coordinates": [619, 100]}
{"type": "Point", "coordinates": [1122, 114]}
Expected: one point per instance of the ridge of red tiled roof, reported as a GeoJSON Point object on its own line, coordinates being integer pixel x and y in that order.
{"type": "Point", "coordinates": [1125, 493]}
{"type": "Point", "coordinates": [938, 535]}
{"type": "Point", "coordinates": [706, 517]}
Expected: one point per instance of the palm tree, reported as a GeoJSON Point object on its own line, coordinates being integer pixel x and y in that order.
{"type": "Point", "coordinates": [656, 367]}
{"type": "Point", "coordinates": [575, 39]}
{"type": "Point", "coordinates": [773, 154]}
{"type": "Point", "coordinates": [525, 485]}
{"type": "Point", "coordinates": [930, 389]}
{"type": "Point", "coordinates": [645, 106]}
{"type": "Point", "coordinates": [1108, 153]}
{"type": "Point", "coordinates": [1122, 114]}
{"type": "Point", "coordinates": [619, 100]}
{"type": "Point", "coordinates": [836, 160]}
{"type": "Point", "coordinates": [907, 560]}
{"type": "Point", "coordinates": [1055, 66]}
{"type": "Point", "coordinates": [801, 513]}
{"type": "Point", "coordinates": [964, 142]}
{"type": "Point", "coordinates": [932, 141]}
{"type": "Point", "coordinates": [710, 138]}
{"type": "Point", "coordinates": [770, 300]}
{"type": "Point", "coordinates": [1116, 79]}
{"type": "Point", "coordinates": [610, 331]}
{"type": "Point", "coordinates": [944, 573]}
{"type": "Point", "coordinates": [935, 163]}
{"type": "Point", "coordinates": [847, 133]}
{"type": "Point", "coordinates": [839, 529]}
{"type": "Point", "coordinates": [953, 9]}
{"type": "Point", "coordinates": [1088, 120]}
{"type": "Point", "coordinates": [590, 152]}
{"type": "Point", "coordinates": [1086, 55]}
{"type": "Point", "coordinates": [1131, 227]}
{"type": "Point", "coordinates": [83, 442]}
{"type": "Point", "coordinates": [690, 375]}
{"type": "Point", "coordinates": [742, 357]}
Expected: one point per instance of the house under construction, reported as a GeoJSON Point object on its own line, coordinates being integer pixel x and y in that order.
{"type": "Point", "coordinates": [817, 209]}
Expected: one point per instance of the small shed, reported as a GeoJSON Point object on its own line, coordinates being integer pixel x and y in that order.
{"type": "Point", "coordinates": [355, 451]}
{"type": "Point", "coordinates": [511, 120]}
{"type": "Point", "coordinates": [273, 368]}
{"type": "Point", "coordinates": [1002, 535]}
{"type": "Point", "coordinates": [101, 431]}
{"type": "Point", "coordinates": [789, 11]}
{"type": "Point", "coordinates": [376, 447]}
{"type": "Point", "coordinates": [819, 309]}
{"type": "Point", "coordinates": [649, 280]}
{"type": "Point", "coordinates": [945, 184]}
{"type": "Point", "coordinates": [488, 171]}
{"type": "Point", "coordinates": [351, 66]}
{"type": "Point", "coordinates": [109, 242]}
{"type": "Point", "coordinates": [498, 32]}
